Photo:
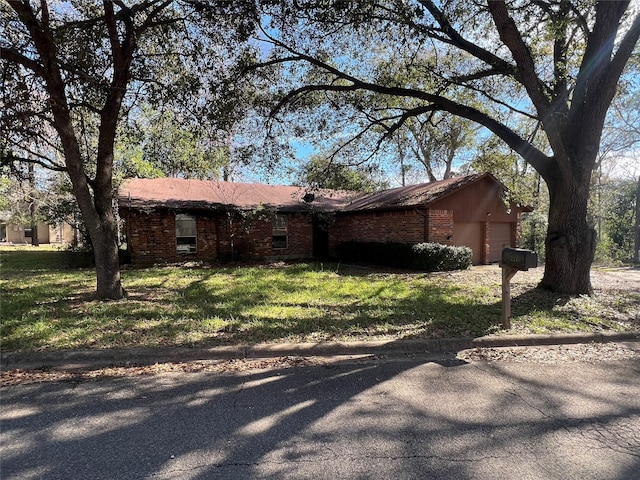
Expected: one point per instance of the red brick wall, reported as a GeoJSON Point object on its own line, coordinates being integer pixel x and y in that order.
{"type": "Point", "coordinates": [440, 226]}
{"type": "Point", "coordinates": [147, 237]}
{"type": "Point", "coordinates": [404, 226]}
{"type": "Point", "coordinates": [254, 240]}
{"type": "Point", "coordinates": [151, 237]}
{"type": "Point", "coordinates": [397, 226]}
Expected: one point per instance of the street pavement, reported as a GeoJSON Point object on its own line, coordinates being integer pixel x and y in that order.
{"type": "Point", "coordinates": [401, 417]}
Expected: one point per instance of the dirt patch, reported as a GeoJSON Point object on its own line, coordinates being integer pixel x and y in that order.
{"type": "Point", "coordinates": [588, 353]}
{"type": "Point", "coordinates": [24, 376]}
{"type": "Point", "coordinates": [627, 278]}
{"type": "Point", "coordinates": [603, 279]}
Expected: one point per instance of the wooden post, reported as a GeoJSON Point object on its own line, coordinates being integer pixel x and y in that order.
{"type": "Point", "coordinates": [507, 274]}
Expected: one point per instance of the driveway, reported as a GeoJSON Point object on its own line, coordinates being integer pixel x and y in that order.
{"type": "Point", "coordinates": [628, 277]}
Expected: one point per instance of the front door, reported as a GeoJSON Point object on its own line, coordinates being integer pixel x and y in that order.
{"type": "Point", "coordinates": [320, 237]}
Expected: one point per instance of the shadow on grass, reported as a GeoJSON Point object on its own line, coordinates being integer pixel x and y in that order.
{"type": "Point", "coordinates": [202, 307]}
{"type": "Point", "coordinates": [206, 307]}
{"type": "Point", "coordinates": [550, 311]}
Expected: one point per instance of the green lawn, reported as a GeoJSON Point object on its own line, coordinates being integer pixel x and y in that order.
{"type": "Point", "coordinates": [47, 306]}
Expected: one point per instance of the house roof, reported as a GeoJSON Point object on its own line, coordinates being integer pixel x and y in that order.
{"type": "Point", "coordinates": [179, 193]}
{"type": "Point", "coordinates": [413, 195]}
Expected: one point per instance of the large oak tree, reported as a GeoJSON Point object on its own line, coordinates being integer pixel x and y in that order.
{"type": "Point", "coordinates": [73, 69]}
{"type": "Point", "coordinates": [504, 65]}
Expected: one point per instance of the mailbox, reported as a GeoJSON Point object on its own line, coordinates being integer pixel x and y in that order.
{"type": "Point", "coordinates": [519, 258]}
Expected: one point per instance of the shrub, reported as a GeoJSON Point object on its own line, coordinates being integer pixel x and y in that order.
{"type": "Point", "coordinates": [429, 257]}
{"type": "Point", "coordinates": [436, 257]}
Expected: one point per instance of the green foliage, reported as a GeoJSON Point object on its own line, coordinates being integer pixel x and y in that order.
{"type": "Point", "coordinates": [6, 185]}
{"type": "Point", "coordinates": [428, 257]}
{"type": "Point", "coordinates": [322, 172]}
{"type": "Point", "coordinates": [166, 143]}
{"type": "Point", "coordinates": [21, 195]}
{"type": "Point", "coordinates": [534, 231]}
{"type": "Point", "coordinates": [613, 208]}
{"type": "Point", "coordinates": [433, 257]}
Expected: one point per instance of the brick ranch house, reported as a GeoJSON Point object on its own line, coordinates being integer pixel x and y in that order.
{"type": "Point", "coordinates": [173, 220]}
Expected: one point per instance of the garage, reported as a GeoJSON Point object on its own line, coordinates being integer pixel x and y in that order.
{"type": "Point", "coordinates": [499, 239]}
{"type": "Point", "coordinates": [469, 234]}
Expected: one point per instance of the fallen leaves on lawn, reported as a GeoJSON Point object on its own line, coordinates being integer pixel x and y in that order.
{"type": "Point", "coordinates": [588, 352]}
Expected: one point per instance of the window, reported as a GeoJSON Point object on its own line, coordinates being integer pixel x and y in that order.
{"type": "Point", "coordinates": [279, 238]}
{"type": "Point", "coordinates": [185, 234]}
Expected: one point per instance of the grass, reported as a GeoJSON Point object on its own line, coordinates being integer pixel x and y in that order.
{"type": "Point", "coordinates": [48, 307]}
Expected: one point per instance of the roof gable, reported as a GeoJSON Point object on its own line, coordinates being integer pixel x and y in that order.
{"type": "Point", "coordinates": [415, 195]}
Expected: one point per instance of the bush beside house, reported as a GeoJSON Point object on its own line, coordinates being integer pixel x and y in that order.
{"type": "Point", "coordinates": [428, 257]}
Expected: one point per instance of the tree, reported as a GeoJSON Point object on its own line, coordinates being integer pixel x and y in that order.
{"type": "Point", "coordinates": [179, 146]}
{"type": "Point", "coordinates": [553, 62]}
{"type": "Point", "coordinates": [323, 172]}
{"type": "Point", "coordinates": [636, 251]}
{"type": "Point", "coordinates": [436, 142]}
{"type": "Point", "coordinates": [74, 69]}
{"type": "Point", "coordinates": [615, 219]}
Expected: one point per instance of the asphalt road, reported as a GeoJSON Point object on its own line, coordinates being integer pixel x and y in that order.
{"type": "Point", "coordinates": [402, 418]}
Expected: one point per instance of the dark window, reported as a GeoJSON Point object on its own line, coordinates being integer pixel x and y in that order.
{"type": "Point", "coordinates": [185, 234]}
{"type": "Point", "coordinates": [279, 237]}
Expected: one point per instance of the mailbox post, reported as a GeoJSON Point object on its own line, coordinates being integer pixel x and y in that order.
{"type": "Point", "coordinates": [513, 261]}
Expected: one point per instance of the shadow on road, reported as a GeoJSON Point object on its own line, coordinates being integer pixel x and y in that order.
{"type": "Point", "coordinates": [399, 418]}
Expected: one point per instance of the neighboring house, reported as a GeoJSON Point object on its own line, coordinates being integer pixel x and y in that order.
{"type": "Point", "coordinates": [172, 220]}
{"type": "Point", "coordinates": [16, 233]}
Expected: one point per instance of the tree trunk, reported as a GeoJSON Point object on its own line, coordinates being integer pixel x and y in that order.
{"type": "Point", "coordinates": [100, 220]}
{"type": "Point", "coordinates": [105, 250]}
{"type": "Point", "coordinates": [35, 241]}
{"type": "Point", "coordinates": [636, 253]}
{"type": "Point", "coordinates": [102, 228]}
{"type": "Point", "coordinates": [570, 241]}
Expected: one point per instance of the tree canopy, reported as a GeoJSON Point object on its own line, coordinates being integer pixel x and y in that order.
{"type": "Point", "coordinates": [504, 65]}
{"type": "Point", "coordinates": [74, 69]}
{"type": "Point", "coordinates": [322, 172]}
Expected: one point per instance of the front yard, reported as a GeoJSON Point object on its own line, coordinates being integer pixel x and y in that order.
{"type": "Point", "coordinates": [46, 307]}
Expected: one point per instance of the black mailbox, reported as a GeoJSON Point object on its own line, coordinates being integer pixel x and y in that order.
{"type": "Point", "coordinates": [519, 258]}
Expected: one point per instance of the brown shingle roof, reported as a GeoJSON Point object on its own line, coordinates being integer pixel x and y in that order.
{"type": "Point", "coordinates": [413, 195]}
{"type": "Point", "coordinates": [179, 193]}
